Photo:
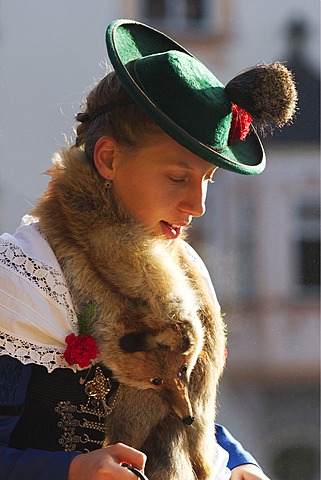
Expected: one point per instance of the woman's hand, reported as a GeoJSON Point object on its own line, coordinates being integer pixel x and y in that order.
{"type": "Point", "coordinates": [105, 464]}
{"type": "Point", "coordinates": [248, 472]}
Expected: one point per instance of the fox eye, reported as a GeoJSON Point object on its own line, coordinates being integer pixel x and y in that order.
{"type": "Point", "coordinates": [157, 381]}
{"type": "Point", "coordinates": [183, 370]}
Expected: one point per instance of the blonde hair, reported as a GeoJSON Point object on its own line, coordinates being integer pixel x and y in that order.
{"type": "Point", "coordinates": [125, 121]}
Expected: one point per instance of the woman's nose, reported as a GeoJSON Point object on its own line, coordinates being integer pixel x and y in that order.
{"type": "Point", "coordinates": [193, 202]}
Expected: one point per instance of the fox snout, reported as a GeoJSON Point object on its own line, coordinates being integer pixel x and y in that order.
{"type": "Point", "coordinates": [179, 402]}
{"type": "Point", "coordinates": [155, 354]}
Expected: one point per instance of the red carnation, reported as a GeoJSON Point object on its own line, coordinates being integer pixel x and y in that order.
{"type": "Point", "coordinates": [80, 350]}
{"type": "Point", "coordinates": [241, 122]}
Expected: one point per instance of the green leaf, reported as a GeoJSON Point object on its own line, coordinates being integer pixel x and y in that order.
{"type": "Point", "coordinates": [85, 319]}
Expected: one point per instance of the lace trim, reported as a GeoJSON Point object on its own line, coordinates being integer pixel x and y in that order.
{"type": "Point", "coordinates": [51, 282]}
{"type": "Point", "coordinates": [45, 277]}
{"type": "Point", "coordinates": [26, 353]}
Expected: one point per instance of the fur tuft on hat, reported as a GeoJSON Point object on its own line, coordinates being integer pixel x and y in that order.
{"type": "Point", "coordinates": [267, 92]}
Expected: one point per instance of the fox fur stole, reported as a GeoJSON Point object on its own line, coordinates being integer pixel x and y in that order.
{"type": "Point", "coordinates": [154, 322]}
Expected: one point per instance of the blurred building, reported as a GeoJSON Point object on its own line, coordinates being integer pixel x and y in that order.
{"type": "Point", "coordinates": [263, 251]}
{"type": "Point", "coordinates": [260, 237]}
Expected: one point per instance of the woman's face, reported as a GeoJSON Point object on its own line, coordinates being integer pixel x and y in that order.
{"type": "Point", "coordinates": [163, 185]}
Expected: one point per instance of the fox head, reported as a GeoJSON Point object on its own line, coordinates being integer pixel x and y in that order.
{"type": "Point", "coordinates": [162, 361]}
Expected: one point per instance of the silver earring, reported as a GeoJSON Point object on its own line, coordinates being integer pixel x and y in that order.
{"type": "Point", "coordinates": [108, 183]}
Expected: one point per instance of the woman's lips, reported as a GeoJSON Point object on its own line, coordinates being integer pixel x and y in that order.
{"type": "Point", "coordinates": [170, 231]}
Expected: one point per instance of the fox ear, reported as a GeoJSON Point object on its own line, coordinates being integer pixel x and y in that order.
{"type": "Point", "coordinates": [134, 342]}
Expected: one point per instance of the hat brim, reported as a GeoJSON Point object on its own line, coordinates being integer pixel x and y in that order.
{"type": "Point", "coordinates": [127, 41]}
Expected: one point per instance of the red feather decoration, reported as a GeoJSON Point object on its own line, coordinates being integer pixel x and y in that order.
{"type": "Point", "coordinates": [241, 122]}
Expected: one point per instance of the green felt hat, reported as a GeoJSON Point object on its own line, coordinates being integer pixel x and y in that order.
{"type": "Point", "coordinates": [181, 95]}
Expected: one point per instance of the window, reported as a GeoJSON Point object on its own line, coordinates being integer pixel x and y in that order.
{"type": "Point", "coordinates": [307, 249]}
{"type": "Point", "coordinates": [246, 250]}
{"type": "Point", "coordinates": [155, 10]}
{"type": "Point", "coordinates": [178, 14]}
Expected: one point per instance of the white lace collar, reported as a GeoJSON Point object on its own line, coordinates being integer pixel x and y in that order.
{"type": "Point", "coordinates": [36, 311]}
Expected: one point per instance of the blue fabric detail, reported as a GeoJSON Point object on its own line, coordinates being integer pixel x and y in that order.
{"type": "Point", "coordinates": [238, 456]}
{"type": "Point", "coordinates": [29, 464]}
{"type": "Point", "coordinates": [34, 464]}
{"type": "Point", "coordinates": [14, 379]}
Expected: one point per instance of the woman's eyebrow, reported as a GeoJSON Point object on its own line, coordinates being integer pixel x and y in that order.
{"type": "Point", "coordinates": [189, 167]}
{"type": "Point", "coordinates": [181, 164]}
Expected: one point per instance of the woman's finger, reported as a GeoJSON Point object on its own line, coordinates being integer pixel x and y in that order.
{"type": "Point", "coordinates": [137, 472]}
{"type": "Point", "coordinates": [128, 455]}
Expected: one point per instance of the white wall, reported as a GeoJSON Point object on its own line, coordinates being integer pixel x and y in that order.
{"type": "Point", "coordinates": [50, 52]}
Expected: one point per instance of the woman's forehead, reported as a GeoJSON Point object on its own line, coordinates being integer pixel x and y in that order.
{"type": "Point", "coordinates": [168, 152]}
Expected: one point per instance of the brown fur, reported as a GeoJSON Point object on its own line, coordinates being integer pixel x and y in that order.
{"type": "Point", "coordinates": [154, 320]}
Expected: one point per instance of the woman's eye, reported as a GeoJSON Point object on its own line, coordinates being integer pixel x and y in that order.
{"type": "Point", "coordinates": [177, 180]}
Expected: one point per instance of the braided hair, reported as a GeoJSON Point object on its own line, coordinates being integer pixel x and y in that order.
{"type": "Point", "coordinates": [109, 110]}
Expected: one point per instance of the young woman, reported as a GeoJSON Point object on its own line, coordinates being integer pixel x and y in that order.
{"type": "Point", "coordinates": [99, 291]}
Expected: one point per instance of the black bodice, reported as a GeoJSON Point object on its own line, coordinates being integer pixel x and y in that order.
{"type": "Point", "coordinates": [64, 410]}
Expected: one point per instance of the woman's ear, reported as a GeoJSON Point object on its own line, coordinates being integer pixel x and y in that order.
{"type": "Point", "coordinates": [105, 153]}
